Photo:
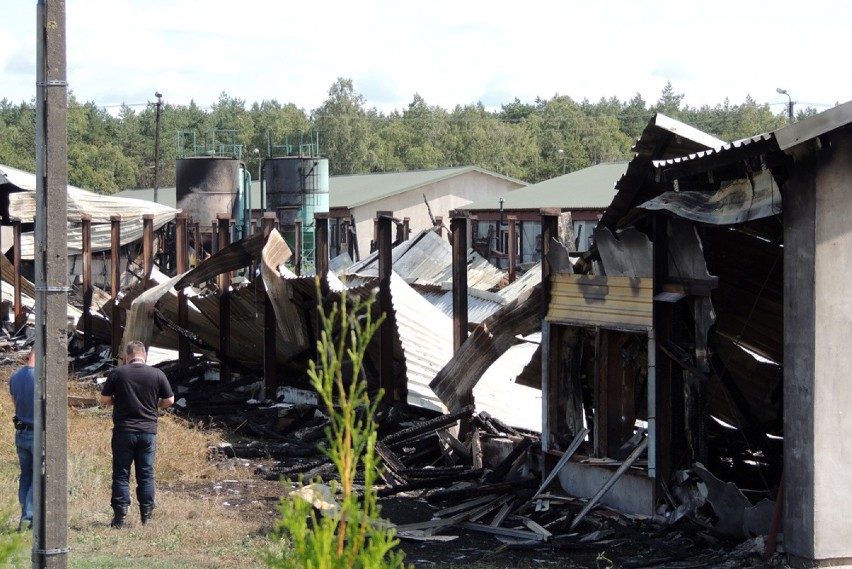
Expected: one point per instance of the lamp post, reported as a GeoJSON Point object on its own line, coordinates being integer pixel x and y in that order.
{"type": "Point", "coordinates": [561, 152]}
{"type": "Point", "coordinates": [157, 145]}
{"type": "Point", "coordinates": [790, 103]}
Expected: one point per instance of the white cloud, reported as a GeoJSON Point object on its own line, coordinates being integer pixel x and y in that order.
{"type": "Point", "coordinates": [449, 51]}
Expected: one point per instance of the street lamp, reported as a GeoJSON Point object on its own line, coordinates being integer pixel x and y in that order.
{"type": "Point", "coordinates": [157, 145]}
{"type": "Point", "coordinates": [790, 103]}
{"type": "Point", "coordinates": [561, 151]}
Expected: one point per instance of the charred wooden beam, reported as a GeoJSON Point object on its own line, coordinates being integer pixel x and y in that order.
{"type": "Point", "coordinates": [269, 323]}
{"type": "Point", "coordinates": [17, 281]}
{"type": "Point", "coordinates": [86, 220]}
{"type": "Point", "coordinates": [482, 490]}
{"type": "Point", "coordinates": [224, 220]}
{"type": "Point", "coordinates": [499, 472]}
{"type": "Point", "coordinates": [182, 260]}
{"type": "Point", "coordinates": [433, 482]}
{"type": "Point", "coordinates": [115, 243]}
{"type": "Point", "coordinates": [442, 421]}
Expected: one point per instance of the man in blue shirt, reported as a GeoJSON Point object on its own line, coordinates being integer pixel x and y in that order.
{"type": "Point", "coordinates": [22, 388]}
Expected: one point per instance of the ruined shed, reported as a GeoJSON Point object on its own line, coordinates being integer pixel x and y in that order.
{"type": "Point", "coordinates": [745, 353]}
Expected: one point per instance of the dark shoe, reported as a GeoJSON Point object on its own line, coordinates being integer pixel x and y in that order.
{"type": "Point", "coordinates": [25, 525]}
{"type": "Point", "coordinates": [119, 517]}
{"type": "Point", "coordinates": [145, 516]}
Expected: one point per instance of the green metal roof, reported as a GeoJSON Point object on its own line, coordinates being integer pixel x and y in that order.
{"type": "Point", "coordinates": [589, 188]}
{"type": "Point", "coordinates": [359, 189]}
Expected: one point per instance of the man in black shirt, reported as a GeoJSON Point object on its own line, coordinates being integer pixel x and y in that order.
{"type": "Point", "coordinates": [137, 391]}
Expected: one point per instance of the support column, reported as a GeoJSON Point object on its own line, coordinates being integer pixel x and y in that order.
{"type": "Point", "coordinates": [270, 381]}
{"type": "Point", "coordinates": [406, 228]}
{"type": "Point", "coordinates": [817, 358]}
{"type": "Point", "coordinates": [86, 220]}
{"type": "Point", "coordinates": [196, 243]}
{"type": "Point", "coordinates": [147, 246]}
{"type": "Point", "coordinates": [16, 259]}
{"type": "Point", "coordinates": [115, 284]}
{"type": "Point", "coordinates": [224, 283]}
{"type": "Point", "coordinates": [513, 246]}
{"type": "Point", "coordinates": [182, 260]}
{"type": "Point", "coordinates": [297, 254]}
{"type": "Point", "coordinates": [551, 335]}
{"type": "Point", "coordinates": [439, 223]}
{"type": "Point", "coordinates": [458, 227]}
{"type": "Point", "coordinates": [393, 392]}
{"type": "Point", "coordinates": [321, 251]}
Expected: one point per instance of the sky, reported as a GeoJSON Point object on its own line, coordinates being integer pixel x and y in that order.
{"type": "Point", "coordinates": [450, 52]}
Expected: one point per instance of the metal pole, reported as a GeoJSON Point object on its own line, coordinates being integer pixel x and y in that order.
{"type": "Point", "coordinates": [297, 260]}
{"type": "Point", "coordinates": [157, 146]}
{"type": "Point", "coordinates": [50, 432]}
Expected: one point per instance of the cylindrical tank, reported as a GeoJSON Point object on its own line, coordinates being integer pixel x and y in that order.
{"type": "Point", "coordinates": [297, 188]}
{"type": "Point", "coordinates": [207, 186]}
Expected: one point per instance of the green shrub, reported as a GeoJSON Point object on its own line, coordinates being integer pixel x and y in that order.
{"type": "Point", "coordinates": [322, 527]}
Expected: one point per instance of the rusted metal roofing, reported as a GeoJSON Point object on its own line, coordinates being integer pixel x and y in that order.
{"type": "Point", "coordinates": [735, 202]}
{"type": "Point", "coordinates": [661, 139]}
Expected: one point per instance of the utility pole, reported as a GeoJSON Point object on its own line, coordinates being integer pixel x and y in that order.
{"type": "Point", "coordinates": [50, 431]}
{"type": "Point", "coordinates": [157, 145]}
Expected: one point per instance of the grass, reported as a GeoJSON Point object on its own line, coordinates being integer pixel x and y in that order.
{"type": "Point", "coordinates": [189, 530]}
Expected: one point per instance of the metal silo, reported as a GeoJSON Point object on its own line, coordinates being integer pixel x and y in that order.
{"type": "Point", "coordinates": [206, 186]}
{"type": "Point", "coordinates": [297, 188]}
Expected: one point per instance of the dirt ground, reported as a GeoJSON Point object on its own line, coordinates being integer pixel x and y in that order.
{"type": "Point", "coordinates": [620, 545]}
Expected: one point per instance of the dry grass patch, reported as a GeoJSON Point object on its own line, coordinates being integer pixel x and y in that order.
{"type": "Point", "coordinates": [187, 530]}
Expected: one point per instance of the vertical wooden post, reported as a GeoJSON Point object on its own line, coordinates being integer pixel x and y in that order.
{"type": "Point", "coordinates": [224, 222]}
{"type": "Point", "coordinates": [551, 334]}
{"type": "Point", "coordinates": [196, 243]}
{"type": "Point", "coordinates": [374, 244]}
{"type": "Point", "coordinates": [214, 237]}
{"type": "Point", "coordinates": [458, 227]}
{"type": "Point", "coordinates": [86, 220]}
{"type": "Point", "coordinates": [297, 245]}
{"type": "Point", "coordinates": [439, 223]}
{"type": "Point", "coordinates": [321, 250]}
{"type": "Point", "coordinates": [269, 323]}
{"type": "Point", "coordinates": [16, 259]}
{"type": "Point", "coordinates": [662, 428]}
{"type": "Point", "coordinates": [388, 381]}
{"type": "Point", "coordinates": [513, 246]}
{"type": "Point", "coordinates": [147, 246]}
{"type": "Point", "coordinates": [182, 260]}
{"type": "Point", "coordinates": [406, 228]}
{"type": "Point", "coordinates": [115, 259]}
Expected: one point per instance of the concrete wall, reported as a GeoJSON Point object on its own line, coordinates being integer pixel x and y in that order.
{"type": "Point", "coordinates": [443, 196]}
{"type": "Point", "coordinates": [817, 354]}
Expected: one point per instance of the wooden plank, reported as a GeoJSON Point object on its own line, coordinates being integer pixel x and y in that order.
{"type": "Point", "coordinates": [609, 483]}
{"type": "Point", "coordinates": [575, 444]}
{"type": "Point", "coordinates": [501, 515]}
{"type": "Point", "coordinates": [506, 532]}
{"type": "Point", "coordinates": [584, 300]}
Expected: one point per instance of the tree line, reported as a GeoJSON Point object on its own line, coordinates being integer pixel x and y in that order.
{"type": "Point", "coordinates": [528, 141]}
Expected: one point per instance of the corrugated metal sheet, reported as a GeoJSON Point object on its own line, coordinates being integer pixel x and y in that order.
{"type": "Point", "coordinates": [426, 258]}
{"type": "Point", "coordinates": [621, 303]}
{"type": "Point", "coordinates": [23, 205]}
{"type": "Point", "coordinates": [426, 336]}
{"type": "Point", "coordinates": [736, 202]}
